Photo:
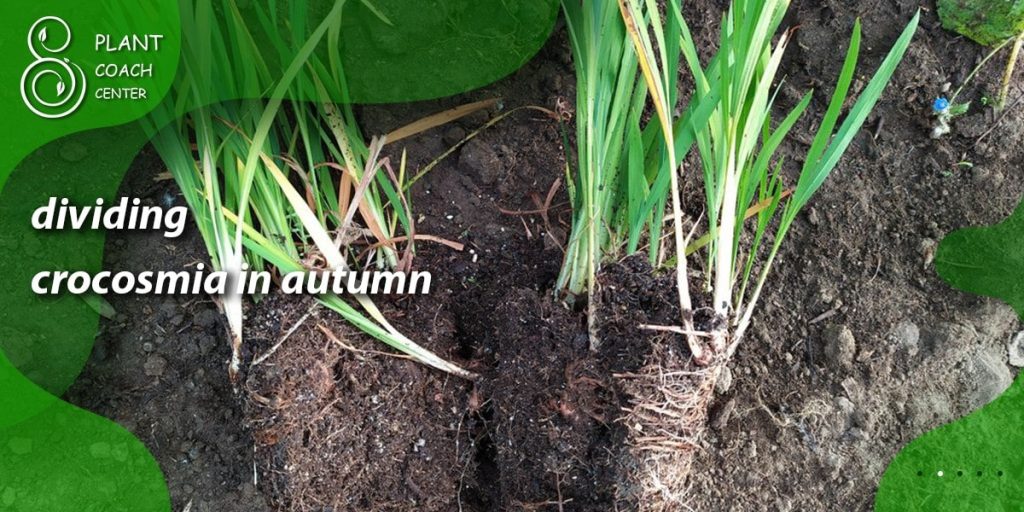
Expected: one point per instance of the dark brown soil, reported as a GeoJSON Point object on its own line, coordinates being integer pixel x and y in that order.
{"type": "Point", "coordinates": [158, 368]}
{"type": "Point", "coordinates": [793, 428]}
{"type": "Point", "coordinates": [537, 429]}
{"type": "Point", "coordinates": [798, 430]}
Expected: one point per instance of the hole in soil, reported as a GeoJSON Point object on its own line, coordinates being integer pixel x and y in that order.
{"type": "Point", "coordinates": [467, 345]}
{"type": "Point", "coordinates": [485, 493]}
{"type": "Point", "coordinates": [577, 303]}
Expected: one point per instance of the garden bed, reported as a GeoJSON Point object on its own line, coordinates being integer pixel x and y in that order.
{"type": "Point", "coordinates": [859, 347]}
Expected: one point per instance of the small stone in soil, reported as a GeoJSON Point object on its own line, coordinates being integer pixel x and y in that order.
{"type": "Point", "coordinates": [155, 366]}
{"type": "Point", "coordinates": [840, 346]}
{"type": "Point", "coordinates": [1016, 349]}
{"type": "Point", "coordinates": [906, 337]}
{"type": "Point", "coordinates": [846, 412]}
{"type": "Point", "coordinates": [813, 217]}
{"type": "Point", "coordinates": [724, 381]}
{"type": "Point", "coordinates": [928, 410]}
{"type": "Point", "coordinates": [479, 157]}
{"type": "Point", "coordinates": [454, 135]}
{"type": "Point", "coordinates": [927, 248]}
{"type": "Point", "coordinates": [987, 375]}
{"type": "Point", "coordinates": [721, 415]}
{"type": "Point", "coordinates": [824, 297]}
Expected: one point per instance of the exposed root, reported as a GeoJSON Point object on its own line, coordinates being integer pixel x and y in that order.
{"type": "Point", "coordinates": [669, 398]}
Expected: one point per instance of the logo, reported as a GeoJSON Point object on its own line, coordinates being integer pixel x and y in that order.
{"type": "Point", "coordinates": [51, 87]}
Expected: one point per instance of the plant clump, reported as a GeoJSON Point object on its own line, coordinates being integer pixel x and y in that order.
{"type": "Point", "coordinates": [730, 121]}
{"type": "Point", "coordinates": [286, 182]}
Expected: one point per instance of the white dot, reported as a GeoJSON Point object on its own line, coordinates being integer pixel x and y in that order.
{"type": "Point", "coordinates": [940, 473]}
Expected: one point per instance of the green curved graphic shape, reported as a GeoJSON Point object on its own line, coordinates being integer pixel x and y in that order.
{"type": "Point", "coordinates": [63, 458]}
{"type": "Point", "coordinates": [977, 462]}
{"type": "Point", "coordinates": [986, 22]}
{"type": "Point", "coordinates": [423, 53]}
{"type": "Point", "coordinates": [55, 457]}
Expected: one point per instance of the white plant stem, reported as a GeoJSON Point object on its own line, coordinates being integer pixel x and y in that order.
{"type": "Point", "coordinates": [229, 257]}
{"type": "Point", "coordinates": [232, 305]}
{"type": "Point", "coordinates": [682, 279]}
{"type": "Point", "coordinates": [724, 242]}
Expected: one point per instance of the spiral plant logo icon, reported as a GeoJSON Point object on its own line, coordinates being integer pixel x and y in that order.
{"type": "Point", "coordinates": [51, 87]}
